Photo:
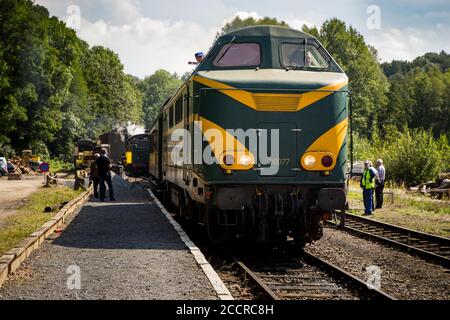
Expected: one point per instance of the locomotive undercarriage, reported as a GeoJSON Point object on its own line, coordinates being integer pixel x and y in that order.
{"type": "Point", "coordinates": [263, 214]}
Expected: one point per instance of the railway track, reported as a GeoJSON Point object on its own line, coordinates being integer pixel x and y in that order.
{"type": "Point", "coordinates": [427, 246]}
{"type": "Point", "coordinates": [307, 278]}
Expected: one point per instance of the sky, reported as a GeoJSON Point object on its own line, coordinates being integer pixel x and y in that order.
{"type": "Point", "coordinates": [150, 35]}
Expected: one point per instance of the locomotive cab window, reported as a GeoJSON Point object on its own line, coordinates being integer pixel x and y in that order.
{"type": "Point", "coordinates": [295, 56]}
{"type": "Point", "coordinates": [239, 55]}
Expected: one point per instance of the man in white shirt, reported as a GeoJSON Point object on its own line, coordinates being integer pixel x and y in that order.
{"type": "Point", "coordinates": [379, 188]}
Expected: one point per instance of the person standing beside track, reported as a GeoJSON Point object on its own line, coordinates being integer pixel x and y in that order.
{"type": "Point", "coordinates": [104, 175]}
{"type": "Point", "coordinates": [368, 185]}
{"type": "Point", "coordinates": [379, 189]}
{"type": "Point", "coordinates": [94, 175]}
{"type": "Point", "coordinates": [374, 171]}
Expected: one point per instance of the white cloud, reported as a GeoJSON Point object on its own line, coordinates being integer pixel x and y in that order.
{"type": "Point", "coordinates": [298, 24]}
{"type": "Point", "coordinates": [147, 44]}
{"type": "Point", "coordinates": [406, 44]}
{"type": "Point", "coordinates": [127, 10]}
{"type": "Point", "coordinates": [116, 11]}
{"type": "Point", "coordinates": [246, 15]}
{"type": "Point", "coordinates": [149, 35]}
{"type": "Point", "coordinates": [292, 22]}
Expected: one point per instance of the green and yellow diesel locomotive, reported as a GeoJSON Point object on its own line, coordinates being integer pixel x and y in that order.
{"type": "Point", "coordinates": [271, 107]}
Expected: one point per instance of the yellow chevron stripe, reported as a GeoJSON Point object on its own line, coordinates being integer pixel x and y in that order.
{"type": "Point", "coordinates": [309, 98]}
{"type": "Point", "coordinates": [332, 140]}
{"type": "Point", "coordinates": [329, 144]}
{"type": "Point", "coordinates": [242, 96]}
{"type": "Point", "coordinates": [248, 98]}
{"type": "Point", "coordinates": [222, 143]}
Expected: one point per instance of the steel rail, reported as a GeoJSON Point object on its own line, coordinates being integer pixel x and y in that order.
{"type": "Point", "coordinates": [427, 246]}
{"type": "Point", "coordinates": [376, 294]}
{"type": "Point", "coordinates": [337, 274]}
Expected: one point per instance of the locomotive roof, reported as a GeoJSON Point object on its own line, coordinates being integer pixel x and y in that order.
{"type": "Point", "coordinates": [268, 31]}
{"type": "Point", "coordinates": [139, 136]}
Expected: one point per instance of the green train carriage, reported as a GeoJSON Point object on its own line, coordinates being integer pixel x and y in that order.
{"type": "Point", "coordinates": [137, 155]}
{"type": "Point", "coordinates": [267, 82]}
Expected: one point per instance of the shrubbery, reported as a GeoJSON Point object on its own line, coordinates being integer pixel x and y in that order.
{"type": "Point", "coordinates": [7, 151]}
{"type": "Point", "coordinates": [58, 165]}
{"type": "Point", "coordinates": [411, 157]}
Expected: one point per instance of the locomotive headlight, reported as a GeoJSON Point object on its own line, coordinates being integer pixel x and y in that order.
{"type": "Point", "coordinates": [245, 160]}
{"type": "Point", "coordinates": [309, 161]}
{"type": "Point", "coordinates": [318, 161]}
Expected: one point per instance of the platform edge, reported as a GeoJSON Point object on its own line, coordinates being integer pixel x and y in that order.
{"type": "Point", "coordinates": [219, 287]}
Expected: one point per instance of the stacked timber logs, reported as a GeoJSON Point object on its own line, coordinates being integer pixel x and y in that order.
{"type": "Point", "coordinates": [21, 166]}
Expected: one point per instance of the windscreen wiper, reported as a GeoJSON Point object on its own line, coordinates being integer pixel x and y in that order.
{"type": "Point", "coordinates": [225, 52]}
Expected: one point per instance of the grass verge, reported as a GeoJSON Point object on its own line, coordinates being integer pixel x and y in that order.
{"type": "Point", "coordinates": [31, 216]}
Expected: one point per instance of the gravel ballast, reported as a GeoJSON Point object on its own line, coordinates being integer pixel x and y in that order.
{"type": "Point", "coordinates": [402, 275]}
{"type": "Point", "coordinates": [124, 250]}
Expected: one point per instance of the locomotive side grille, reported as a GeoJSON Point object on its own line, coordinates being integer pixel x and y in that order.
{"type": "Point", "coordinates": [277, 102]}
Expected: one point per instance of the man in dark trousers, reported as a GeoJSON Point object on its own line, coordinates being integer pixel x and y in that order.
{"type": "Point", "coordinates": [94, 175]}
{"type": "Point", "coordinates": [379, 189]}
{"type": "Point", "coordinates": [368, 186]}
{"type": "Point", "coordinates": [104, 175]}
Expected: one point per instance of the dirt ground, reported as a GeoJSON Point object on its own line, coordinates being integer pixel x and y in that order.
{"type": "Point", "coordinates": [401, 275]}
{"type": "Point", "coordinates": [14, 193]}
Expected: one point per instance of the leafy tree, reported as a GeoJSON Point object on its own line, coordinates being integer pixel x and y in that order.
{"type": "Point", "coordinates": [186, 76]}
{"type": "Point", "coordinates": [156, 89]}
{"type": "Point", "coordinates": [53, 87]}
{"type": "Point", "coordinates": [419, 99]}
{"type": "Point", "coordinates": [21, 55]}
{"type": "Point", "coordinates": [76, 115]}
{"type": "Point", "coordinates": [440, 60]}
{"type": "Point", "coordinates": [399, 110]}
{"type": "Point", "coordinates": [113, 96]}
{"type": "Point", "coordinates": [428, 92]}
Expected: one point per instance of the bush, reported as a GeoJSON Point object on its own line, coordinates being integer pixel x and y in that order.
{"type": "Point", "coordinates": [363, 148]}
{"type": "Point", "coordinates": [413, 158]}
{"type": "Point", "coordinates": [7, 151]}
{"type": "Point", "coordinates": [58, 165]}
{"type": "Point", "coordinates": [410, 157]}
{"type": "Point", "coordinates": [39, 148]}
{"type": "Point", "coordinates": [444, 149]}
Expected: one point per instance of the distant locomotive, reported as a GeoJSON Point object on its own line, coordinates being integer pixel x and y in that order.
{"type": "Point", "coordinates": [137, 155]}
{"type": "Point", "coordinates": [116, 142]}
{"type": "Point", "coordinates": [277, 86]}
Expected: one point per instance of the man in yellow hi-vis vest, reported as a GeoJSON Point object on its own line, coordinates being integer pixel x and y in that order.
{"type": "Point", "coordinates": [368, 185]}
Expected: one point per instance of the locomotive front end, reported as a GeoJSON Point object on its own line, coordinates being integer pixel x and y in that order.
{"type": "Point", "coordinates": [272, 108]}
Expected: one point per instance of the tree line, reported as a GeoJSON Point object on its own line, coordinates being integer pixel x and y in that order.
{"type": "Point", "coordinates": [55, 89]}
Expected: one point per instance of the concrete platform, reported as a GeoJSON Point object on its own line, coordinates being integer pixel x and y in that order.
{"type": "Point", "coordinates": [126, 249]}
